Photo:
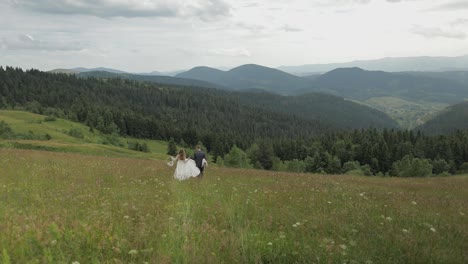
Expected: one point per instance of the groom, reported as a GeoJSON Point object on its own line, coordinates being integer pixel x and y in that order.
{"type": "Point", "coordinates": [198, 157]}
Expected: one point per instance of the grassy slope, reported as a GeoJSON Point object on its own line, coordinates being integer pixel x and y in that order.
{"type": "Point", "coordinates": [59, 208]}
{"type": "Point", "coordinates": [23, 122]}
{"type": "Point", "coordinates": [64, 207]}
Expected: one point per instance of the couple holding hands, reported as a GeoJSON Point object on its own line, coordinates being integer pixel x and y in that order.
{"type": "Point", "coordinates": [189, 167]}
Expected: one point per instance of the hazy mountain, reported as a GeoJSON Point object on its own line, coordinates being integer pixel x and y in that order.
{"type": "Point", "coordinates": [250, 76]}
{"type": "Point", "coordinates": [66, 71]}
{"type": "Point", "coordinates": [151, 78]}
{"type": "Point", "coordinates": [452, 118]}
{"type": "Point", "coordinates": [387, 64]}
{"type": "Point", "coordinates": [457, 76]}
{"type": "Point", "coordinates": [80, 69]}
{"type": "Point", "coordinates": [358, 84]}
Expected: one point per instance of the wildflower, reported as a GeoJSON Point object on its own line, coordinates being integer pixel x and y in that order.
{"type": "Point", "coordinates": [405, 230]}
{"type": "Point", "coordinates": [388, 218]}
{"type": "Point", "coordinates": [53, 242]}
{"type": "Point", "coordinates": [343, 247]}
{"type": "Point", "coordinates": [133, 252]}
{"type": "Point", "coordinates": [126, 217]}
{"type": "Point", "coordinates": [329, 202]}
{"type": "Point", "coordinates": [164, 235]}
{"type": "Point", "coordinates": [294, 225]}
{"type": "Point", "coordinates": [413, 202]}
{"type": "Point", "coordinates": [282, 236]}
{"type": "Point", "coordinates": [298, 223]}
{"type": "Point", "coordinates": [362, 194]}
{"type": "Point", "coordinates": [462, 214]}
{"type": "Point", "coordinates": [75, 262]}
{"type": "Point", "coordinates": [270, 244]}
{"type": "Point", "coordinates": [433, 229]}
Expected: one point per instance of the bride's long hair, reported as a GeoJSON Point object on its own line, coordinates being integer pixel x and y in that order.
{"type": "Point", "coordinates": [182, 154]}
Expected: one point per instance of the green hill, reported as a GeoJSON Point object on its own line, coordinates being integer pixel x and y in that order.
{"type": "Point", "coordinates": [34, 131]}
{"type": "Point", "coordinates": [450, 119]}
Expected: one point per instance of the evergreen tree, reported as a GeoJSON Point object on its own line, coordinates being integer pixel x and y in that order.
{"type": "Point", "coordinates": [171, 147]}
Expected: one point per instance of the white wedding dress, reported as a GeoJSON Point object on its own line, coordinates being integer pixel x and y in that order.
{"type": "Point", "coordinates": [185, 169]}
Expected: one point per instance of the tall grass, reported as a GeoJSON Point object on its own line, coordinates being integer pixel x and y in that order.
{"type": "Point", "coordinates": [61, 208]}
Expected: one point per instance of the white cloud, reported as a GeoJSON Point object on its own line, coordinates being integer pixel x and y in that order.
{"type": "Point", "coordinates": [233, 52]}
{"type": "Point", "coordinates": [204, 9]}
{"type": "Point", "coordinates": [289, 28]}
{"type": "Point", "coordinates": [454, 5]}
{"type": "Point", "coordinates": [28, 42]}
{"type": "Point", "coordinates": [436, 32]}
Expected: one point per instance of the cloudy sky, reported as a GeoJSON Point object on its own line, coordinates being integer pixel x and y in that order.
{"type": "Point", "coordinates": [164, 35]}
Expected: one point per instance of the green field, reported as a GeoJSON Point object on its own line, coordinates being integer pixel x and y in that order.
{"type": "Point", "coordinates": [407, 114]}
{"type": "Point", "coordinates": [60, 208]}
{"type": "Point", "coordinates": [91, 143]}
{"type": "Point", "coordinates": [107, 204]}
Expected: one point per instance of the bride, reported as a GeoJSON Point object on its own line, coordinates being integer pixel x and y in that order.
{"type": "Point", "coordinates": [186, 167]}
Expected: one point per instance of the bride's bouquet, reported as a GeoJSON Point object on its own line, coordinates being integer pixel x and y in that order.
{"type": "Point", "coordinates": [170, 161]}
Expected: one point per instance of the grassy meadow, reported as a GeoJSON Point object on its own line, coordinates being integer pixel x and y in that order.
{"type": "Point", "coordinates": [34, 125]}
{"type": "Point", "coordinates": [69, 207]}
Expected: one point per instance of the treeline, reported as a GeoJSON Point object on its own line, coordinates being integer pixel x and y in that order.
{"type": "Point", "coordinates": [363, 152]}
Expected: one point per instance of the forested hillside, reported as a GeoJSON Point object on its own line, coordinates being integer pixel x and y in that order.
{"type": "Point", "coordinates": [449, 120]}
{"type": "Point", "coordinates": [332, 109]}
{"type": "Point", "coordinates": [150, 111]}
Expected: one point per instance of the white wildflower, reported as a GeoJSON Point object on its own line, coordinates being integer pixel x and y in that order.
{"type": "Point", "coordinates": [126, 217]}
{"type": "Point", "coordinates": [413, 202]}
{"type": "Point", "coordinates": [405, 230]}
{"type": "Point", "coordinates": [133, 252]}
{"type": "Point", "coordinates": [433, 229]}
{"type": "Point", "coordinates": [270, 244]}
{"type": "Point", "coordinates": [53, 242]}
{"type": "Point", "coordinates": [75, 262]}
{"type": "Point", "coordinates": [343, 247]}
{"type": "Point", "coordinates": [388, 218]}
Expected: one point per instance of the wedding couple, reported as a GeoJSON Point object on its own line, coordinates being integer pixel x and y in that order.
{"type": "Point", "coordinates": [187, 167]}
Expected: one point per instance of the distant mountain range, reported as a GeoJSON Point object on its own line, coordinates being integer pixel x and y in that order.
{"type": "Point", "coordinates": [151, 78]}
{"type": "Point", "coordinates": [103, 69]}
{"type": "Point", "coordinates": [410, 97]}
{"type": "Point", "coordinates": [248, 77]}
{"type": "Point", "coordinates": [387, 64]}
{"type": "Point", "coordinates": [356, 83]}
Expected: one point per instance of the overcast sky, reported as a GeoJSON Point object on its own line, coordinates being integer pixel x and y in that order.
{"type": "Point", "coordinates": [163, 35]}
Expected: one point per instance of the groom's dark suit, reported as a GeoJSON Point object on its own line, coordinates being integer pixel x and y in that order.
{"type": "Point", "coordinates": [198, 157]}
